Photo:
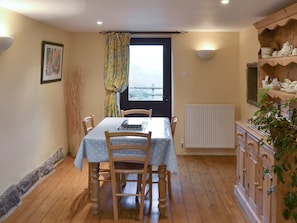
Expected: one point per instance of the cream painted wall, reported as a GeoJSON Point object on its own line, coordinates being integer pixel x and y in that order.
{"type": "Point", "coordinates": [249, 47]}
{"type": "Point", "coordinates": [33, 123]}
{"type": "Point", "coordinates": [208, 81]}
{"type": "Point", "coordinates": [87, 53]}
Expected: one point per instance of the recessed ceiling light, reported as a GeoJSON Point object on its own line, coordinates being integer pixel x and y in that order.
{"type": "Point", "coordinates": [99, 23]}
{"type": "Point", "coordinates": [224, 2]}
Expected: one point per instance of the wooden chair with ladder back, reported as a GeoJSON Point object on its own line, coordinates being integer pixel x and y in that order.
{"type": "Point", "coordinates": [128, 157]}
{"type": "Point", "coordinates": [137, 112]}
{"type": "Point", "coordinates": [88, 125]}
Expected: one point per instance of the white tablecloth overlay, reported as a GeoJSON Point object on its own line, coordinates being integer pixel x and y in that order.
{"type": "Point", "coordinates": [93, 145]}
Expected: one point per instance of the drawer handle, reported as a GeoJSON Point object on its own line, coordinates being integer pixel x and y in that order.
{"type": "Point", "coordinates": [250, 143]}
{"type": "Point", "coordinates": [244, 169]}
{"type": "Point", "coordinates": [257, 185]}
{"type": "Point", "coordinates": [240, 134]}
{"type": "Point", "coordinates": [264, 155]}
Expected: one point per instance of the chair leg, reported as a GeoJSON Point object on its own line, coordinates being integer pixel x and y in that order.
{"type": "Point", "coordinates": [139, 180]}
{"type": "Point", "coordinates": [169, 183]}
{"type": "Point", "coordinates": [115, 189]}
{"type": "Point", "coordinates": [118, 183]}
{"type": "Point", "coordinates": [123, 180]}
{"type": "Point", "coordinates": [142, 197]}
{"type": "Point", "coordinates": [150, 182]}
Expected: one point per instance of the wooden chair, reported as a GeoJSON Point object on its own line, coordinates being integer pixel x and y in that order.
{"type": "Point", "coordinates": [128, 163]}
{"type": "Point", "coordinates": [137, 112]}
{"type": "Point", "coordinates": [88, 125]}
{"type": "Point", "coordinates": [168, 174]}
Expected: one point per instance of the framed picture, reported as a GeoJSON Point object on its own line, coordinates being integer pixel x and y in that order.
{"type": "Point", "coordinates": [51, 62]}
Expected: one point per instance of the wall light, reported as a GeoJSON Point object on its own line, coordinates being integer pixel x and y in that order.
{"type": "Point", "coordinates": [205, 54]}
{"type": "Point", "coordinates": [5, 42]}
{"type": "Point", "coordinates": [224, 2]}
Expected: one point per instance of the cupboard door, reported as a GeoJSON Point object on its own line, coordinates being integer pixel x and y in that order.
{"type": "Point", "coordinates": [267, 199]}
{"type": "Point", "coordinates": [253, 176]}
{"type": "Point", "coordinates": [267, 181]}
{"type": "Point", "coordinates": [241, 160]}
{"type": "Point", "coordinates": [254, 170]}
{"type": "Point", "coordinates": [241, 168]}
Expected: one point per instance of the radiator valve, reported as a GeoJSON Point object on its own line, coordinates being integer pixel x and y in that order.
{"type": "Point", "coordinates": [182, 143]}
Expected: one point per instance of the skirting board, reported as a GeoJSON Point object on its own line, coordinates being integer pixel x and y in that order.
{"type": "Point", "coordinates": [245, 205]}
{"type": "Point", "coordinates": [206, 151]}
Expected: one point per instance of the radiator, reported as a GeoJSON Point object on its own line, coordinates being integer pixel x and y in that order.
{"type": "Point", "coordinates": [209, 126]}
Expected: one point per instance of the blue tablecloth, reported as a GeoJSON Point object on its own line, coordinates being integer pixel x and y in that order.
{"type": "Point", "coordinates": [93, 145]}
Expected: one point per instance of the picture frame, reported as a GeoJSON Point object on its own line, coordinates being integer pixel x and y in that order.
{"type": "Point", "coordinates": [51, 62]}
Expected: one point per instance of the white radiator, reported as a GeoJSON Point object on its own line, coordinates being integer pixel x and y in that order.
{"type": "Point", "coordinates": [209, 126]}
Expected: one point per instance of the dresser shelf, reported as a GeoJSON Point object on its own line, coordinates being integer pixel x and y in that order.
{"type": "Point", "coordinates": [284, 96]}
{"type": "Point", "coordinates": [274, 61]}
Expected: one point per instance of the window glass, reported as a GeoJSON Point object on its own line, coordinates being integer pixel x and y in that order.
{"type": "Point", "coordinates": [146, 73]}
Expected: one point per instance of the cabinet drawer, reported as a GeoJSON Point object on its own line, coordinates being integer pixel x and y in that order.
{"type": "Point", "coordinates": [241, 136]}
{"type": "Point", "coordinates": [252, 144]}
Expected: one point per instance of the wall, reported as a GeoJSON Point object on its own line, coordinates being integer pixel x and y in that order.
{"type": "Point", "coordinates": [208, 81]}
{"type": "Point", "coordinates": [88, 55]}
{"type": "Point", "coordinates": [33, 123]}
{"type": "Point", "coordinates": [249, 47]}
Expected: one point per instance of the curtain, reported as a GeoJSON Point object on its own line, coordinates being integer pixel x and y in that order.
{"type": "Point", "coordinates": [116, 69]}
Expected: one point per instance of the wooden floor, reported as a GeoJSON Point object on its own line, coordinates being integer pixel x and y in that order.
{"type": "Point", "coordinates": [202, 192]}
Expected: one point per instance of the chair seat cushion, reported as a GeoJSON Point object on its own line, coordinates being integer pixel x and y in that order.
{"type": "Point", "coordinates": [129, 167]}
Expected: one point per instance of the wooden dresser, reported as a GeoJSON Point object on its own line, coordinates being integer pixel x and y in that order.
{"type": "Point", "coordinates": [251, 188]}
{"type": "Point", "coordinates": [253, 157]}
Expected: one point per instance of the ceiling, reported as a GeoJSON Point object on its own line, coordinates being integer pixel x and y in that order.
{"type": "Point", "coordinates": [149, 15]}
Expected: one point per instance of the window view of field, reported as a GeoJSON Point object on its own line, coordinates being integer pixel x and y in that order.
{"type": "Point", "coordinates": [146, 73]}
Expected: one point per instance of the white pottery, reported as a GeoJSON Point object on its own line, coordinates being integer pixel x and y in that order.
{"type": "Point", "coordinates": [266, 52]}
{"type": "Point", "coordinates": [275, 53]}
{"type": "Point", "coordinates": [286, 50]}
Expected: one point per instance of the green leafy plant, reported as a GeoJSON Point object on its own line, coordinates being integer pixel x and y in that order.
{"type": "Point", "coordinates": [282, 137]}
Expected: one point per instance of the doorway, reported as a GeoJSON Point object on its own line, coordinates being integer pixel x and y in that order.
{"type": "Point", "coordinates": [149, 76]}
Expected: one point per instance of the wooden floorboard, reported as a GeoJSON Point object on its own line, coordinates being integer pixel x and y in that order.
{"type": "Point", "coordinates": [202, 192]}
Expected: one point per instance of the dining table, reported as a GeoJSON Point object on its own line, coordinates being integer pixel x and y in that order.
{"type": "Point", "coordinates": [162, 152]}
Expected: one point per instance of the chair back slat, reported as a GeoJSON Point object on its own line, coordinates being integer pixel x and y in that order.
{"type": "Point", "coordinates": [88, 123]}
{"type": "Point", "coordinates": [173, 125]}
{"type": "Point", "coordinates": [135, 112]}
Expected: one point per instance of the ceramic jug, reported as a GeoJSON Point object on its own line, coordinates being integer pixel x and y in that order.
{"type": "Point", "coordinates": [286, 50]}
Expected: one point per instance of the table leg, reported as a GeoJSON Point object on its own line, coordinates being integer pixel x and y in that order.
{"type": "Point", "coordinates": [162, 188]}
{"type": "Point", "coordinates": [95, 187]}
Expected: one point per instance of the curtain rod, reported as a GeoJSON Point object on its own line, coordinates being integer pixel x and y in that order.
{"type": "Point", "coordinates": [145, 32]}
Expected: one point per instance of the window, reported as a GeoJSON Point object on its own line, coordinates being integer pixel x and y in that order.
{"type": "Point", "coordinates": [149, 76]}
{"type": "Point", "coordinates": [252, 83]}
{"type": "Point", "coordinates": [146, 73]}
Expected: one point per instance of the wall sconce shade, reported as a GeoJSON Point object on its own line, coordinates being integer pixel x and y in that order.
{"type": "Point", "coordinates": [205, 54]}
{"type": "Point", "coordinates": [5, 42]}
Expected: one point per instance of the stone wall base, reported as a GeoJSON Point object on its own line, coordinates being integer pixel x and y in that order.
{"type": "Point", "coordinates": [12, 197]}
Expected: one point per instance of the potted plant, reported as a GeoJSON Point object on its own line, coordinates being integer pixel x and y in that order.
{"type": "Point", "coordinates": [282, 137]}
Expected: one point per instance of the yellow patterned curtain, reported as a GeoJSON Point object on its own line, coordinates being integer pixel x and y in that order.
{"type": "Point", "coordinates": [116, 69]}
